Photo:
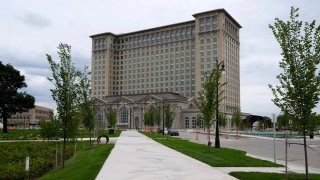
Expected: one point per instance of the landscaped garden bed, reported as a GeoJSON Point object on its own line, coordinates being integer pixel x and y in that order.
{"type": "Point", "coordinates": [42, 158]}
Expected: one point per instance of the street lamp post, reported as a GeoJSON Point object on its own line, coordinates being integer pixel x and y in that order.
{"type": "Point", "coordinates": [217, 140]}
{"type": "Point", "coordinates": [163, 116]}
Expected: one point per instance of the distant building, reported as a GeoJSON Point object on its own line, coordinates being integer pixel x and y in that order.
{"type": "Point", "coordinates": [170, 58]}
{"type": "Point", "coordinates": [30, 118]}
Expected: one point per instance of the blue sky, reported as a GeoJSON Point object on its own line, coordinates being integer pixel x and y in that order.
{"type": "Point", "coordinates": [31, 29]}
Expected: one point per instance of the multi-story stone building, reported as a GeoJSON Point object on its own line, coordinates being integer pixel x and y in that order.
{"type": "Point", "coordinates": [170, 58]}
{"type": "Point", "coordinates": [30, 118]}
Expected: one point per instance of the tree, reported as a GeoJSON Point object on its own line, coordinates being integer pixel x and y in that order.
{"type": "Point", "coordinates": [236, 120]}
{"type": "Point", "coordinates": [298, 92]}
{"type": "Point", "coordinates": [168, 115]}
{"type": "Point", "coordinates": [112, 117]}
{"type": "Point", "coordinates": [283, 121]}
{"type": "Point", "coordinates": [208, 99]}
{"type": "Point", "coordinates": [200, 121]}
{"type": "Point", "coordinates": [12, 101]}
{"type": "Point", "coordinates": [65, 79]}
{"type": "Point", "coordinates": [157, 115]}
{"type": "Point", "coordinates": [222, 120]}
{"type": "Point", "coordinates": [49, 129]}
{"type": "Point", "coordinates": [151, 116]}
{"type": "Point", "coordinates": [85, 101]}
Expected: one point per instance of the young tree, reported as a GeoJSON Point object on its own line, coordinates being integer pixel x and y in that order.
{"type": "Point", "coordinates": [283, 121]}
{"type": "Point", "coordinates": [298, 92]}
{"type": "Point", "coordinates": [157, 114]}
{"type": "Point", "coordinates": [222, 120]}
{"type": "Point", "coordinates": [236, 120]}
{"type": "Point", "coordinates": [12, 101]}
{"type": "Point", "coordinates": [152, 116]}
{"type": "Point", "coordinates": [49, 129]}
{"type": "Point", "coordinates": [85, 101]}
{"type": "Point", "coordinates": [200, 121]}
{"type": "Point", "coordinates": [112, 117]}
{"type": "Point", "coordinates": [168, 116]}
{"type": "Point", "coordinates": [147, 118]}
{"type": "Point", "coordinates": [65, 79]}
{"type": "Point", "coordinates": [208, 99]}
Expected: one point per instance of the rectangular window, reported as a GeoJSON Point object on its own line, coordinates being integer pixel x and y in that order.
{"type": "Point", "coordinates": [194, 122]}
{"type": "Point", "coordinates": [186, 123]}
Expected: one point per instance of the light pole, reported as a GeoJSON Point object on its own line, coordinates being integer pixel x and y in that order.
{"type": "Point", "coordinates": [163, 116]}
{"type": "Point", "coordinates": [217, 140]}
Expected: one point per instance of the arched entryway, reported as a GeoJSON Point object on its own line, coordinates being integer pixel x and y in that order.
{"type": "Point", "coordinates": [136, 122]}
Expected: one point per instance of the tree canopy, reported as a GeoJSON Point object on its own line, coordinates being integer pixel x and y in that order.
{"type": "Point", "coordinates": [298, 92]}
{"type": "Point", "coordinates": [112, 117]}
{"type": "Point", "coordinates": [168, 115]}
{"type": "Point", "coordinates": [65, 79]}
{"type": "Point", "coordinates": [11, 100]}
{"type": "Point", "coordinates": [212, 92]}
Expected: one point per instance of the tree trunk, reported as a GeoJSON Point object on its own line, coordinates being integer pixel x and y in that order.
{"type": "Point", "coordinates": [90, 137]}
{"type": "Point", "coordinates": [237, 136]}
{"type": "Point", "coordinates": [305, 152]}
{"type": "Point", "coordinates": [64, 142]}
{"type": "Point", "coordinates": [209, 142]}
{"type": "Point", "coordinates": [5, 123]}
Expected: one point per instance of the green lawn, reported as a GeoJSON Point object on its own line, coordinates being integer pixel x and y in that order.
{"type": "Point", "coordinates": [21, 134]}
{"type": "Point", "coordinates": [222, 157]}
{"type": "Point", "coordinates": [86, 165]}
{"type": "Point", "coordinates": [270, 176]}
{"type": "Point", "coordinates": [34, 134]}
{"type": "Point", "coordinates": [85, 133]}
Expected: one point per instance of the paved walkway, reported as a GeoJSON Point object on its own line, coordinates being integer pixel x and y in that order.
{"type": "Point", "coordinates": [136, 156]}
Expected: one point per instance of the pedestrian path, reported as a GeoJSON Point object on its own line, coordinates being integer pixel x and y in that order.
{"type": "Point", "coordinates": [136, 156]}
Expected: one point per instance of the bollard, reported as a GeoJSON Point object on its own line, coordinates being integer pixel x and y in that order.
{"type": "Point", "coordinates": [197, 135]}
{"type": "Point", "coordinates": [27, 163]}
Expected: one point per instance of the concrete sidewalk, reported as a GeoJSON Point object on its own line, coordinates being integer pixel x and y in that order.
{"type": "Point", "coordinates": [136, 156]}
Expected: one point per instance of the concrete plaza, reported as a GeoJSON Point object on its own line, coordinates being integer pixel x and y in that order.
{"type": "Point", "coordinates": [136, 156]}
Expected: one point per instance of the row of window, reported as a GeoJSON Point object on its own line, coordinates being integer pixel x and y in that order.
{"type": "Point", "coordinates": [193, 124]}
{"type": "Point", "coordinates": [153, 38]}
{"type": "Point", "coordinates": [208, 23]}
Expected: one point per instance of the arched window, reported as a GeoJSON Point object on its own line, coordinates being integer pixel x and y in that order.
{"type": "Point", "coordinates": [123, 115]}
{"type": "Point", "coordinates": [191, 106]}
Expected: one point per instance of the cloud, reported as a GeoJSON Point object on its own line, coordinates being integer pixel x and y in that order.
{"type": "Point", "coordinates": [34, 20]}
{"type": "Point", "coordinates": [257, 99]}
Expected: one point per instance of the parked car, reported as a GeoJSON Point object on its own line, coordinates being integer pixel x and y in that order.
{"type": "Point", "coordinates": [159, 130]}
{"type": "Point", "coordinates": [173, 132]}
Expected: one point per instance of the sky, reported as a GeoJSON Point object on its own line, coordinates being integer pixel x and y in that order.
{"type": "Point", "coordinates": [31, 29]}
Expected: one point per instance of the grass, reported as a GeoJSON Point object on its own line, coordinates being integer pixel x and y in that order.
{"type": "Point", "coordinates": [86, 165]}
{"type": "Point", "coordinates": [34, 134]}
{"type": "Point", "coordinates": [221, 157]}
{"type": "Point", "coordinates": [270, 176]}
{"type": "Point", "coordinates": [21, 134]}
{"type": "Point", "coordinates": [85, 133]}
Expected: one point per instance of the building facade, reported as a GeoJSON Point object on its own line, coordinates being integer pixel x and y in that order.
{"type": "Point", "coordinates": [171, 58]}
{"type": "Point", "coordinates": [131, 109]}
{"type": "Point", "coordinates": [31, 118]}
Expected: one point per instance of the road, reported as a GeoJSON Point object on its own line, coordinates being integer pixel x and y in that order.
{"type": "Point", "coordinates": [263, 147]}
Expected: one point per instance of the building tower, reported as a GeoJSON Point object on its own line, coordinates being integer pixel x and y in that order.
{"type": "Point", "coordinates": [171, 58]}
